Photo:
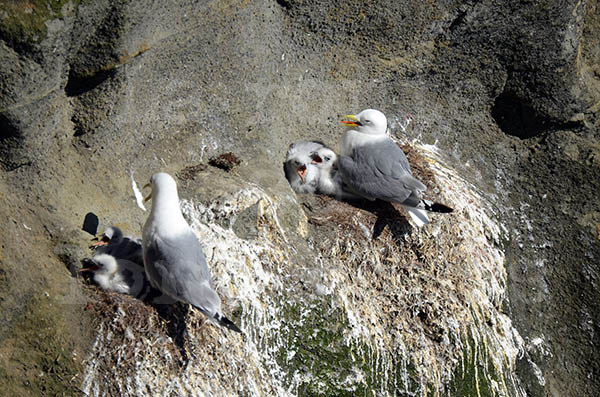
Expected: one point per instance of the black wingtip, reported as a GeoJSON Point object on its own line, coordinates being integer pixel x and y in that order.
{"type": "Point", "coordinates": [227, 323]}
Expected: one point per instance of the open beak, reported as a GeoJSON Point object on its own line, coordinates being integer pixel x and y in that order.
{"type": "Point", "coordinates": [353, 122]}
{"type": "Point", "coordinates": [90, 266]}
{"type": "Point", "coordinates": [302, 172]}
{"type": "Point", "coordinates": [103, 241]}
{"type": "Point", "coordinates": [150, 195]}
{"type": "Point", "coordinates": [316, 159]}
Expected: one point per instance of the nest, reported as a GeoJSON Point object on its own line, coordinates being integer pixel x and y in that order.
{"type": "Point", "coordinates": [410, 289]}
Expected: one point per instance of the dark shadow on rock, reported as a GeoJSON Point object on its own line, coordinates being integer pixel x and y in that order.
{"type": "Point", "coordinates": [90, 223]}
{"type": "Point", "coordinates": [384, 213]}
{"type": "Point", "coordinates": [175, 316]}
{"type": "Point", "coordinates": [387, 215]}
{"type": "Point", "coordinates": [11, 144]}
{"type": "Point", "coordinates": [517, 117]}
{"type": "Point", "coordinates": [77, 85]}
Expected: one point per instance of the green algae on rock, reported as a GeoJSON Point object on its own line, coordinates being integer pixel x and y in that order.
{"type": "Point", "coordinates": [23, 22]}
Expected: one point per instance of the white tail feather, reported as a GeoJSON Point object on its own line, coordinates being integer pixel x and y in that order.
{"type": "Point", "coordinates": [418, 216]}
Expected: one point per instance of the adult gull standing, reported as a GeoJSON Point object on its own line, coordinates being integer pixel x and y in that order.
{"type": "Point", "coordinates": [374, 167]}
{"type": "Point", "coordinates": [173, 258]}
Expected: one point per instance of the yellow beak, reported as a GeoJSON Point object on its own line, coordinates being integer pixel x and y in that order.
{"type": "Point", "coordinates": [353, 123]}
{"type": "Point", "coordinates": [150, 195]}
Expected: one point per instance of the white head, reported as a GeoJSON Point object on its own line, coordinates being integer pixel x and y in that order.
{"type": "Point", "coordinates": [112, 234]}
{"type": "Point", "coordinates": [164, 191]}
{"type": "Point", "coordinates": [324, 158]}
{"type": "Point", "coordinates": [298, 160]}
{"type": "Point", "coordinates": [369, 121]}
{"type": "Point", "coordinates": [101, 264]}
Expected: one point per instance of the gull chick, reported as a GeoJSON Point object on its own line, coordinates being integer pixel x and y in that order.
{"type": "Point", "coordinates": [113, 242]}
{"type": "Point", "coordinates": [329, 179]}
{"type": "Point", "coordinates": [299, 170]}
{"type": "Point", "coordinates": [374, 167]}
{"type": "Point", "coordinates": [173, 258]}
{"type": "Point", "coordinates": [118, 275]}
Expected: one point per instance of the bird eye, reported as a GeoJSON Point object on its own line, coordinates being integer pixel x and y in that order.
{"type": "Point", "coordinates": [327, 158]}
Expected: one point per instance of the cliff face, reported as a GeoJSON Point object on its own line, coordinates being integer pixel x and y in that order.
{"type": "Point", "coordinates": [496, 103]}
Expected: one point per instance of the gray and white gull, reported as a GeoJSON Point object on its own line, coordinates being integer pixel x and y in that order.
{"type": "Point", "coordinates": [374, 167]}
{"type": "Point", "coordinates": [173, 257]}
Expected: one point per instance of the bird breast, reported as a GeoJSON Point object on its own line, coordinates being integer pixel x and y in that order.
{"type": "Point", "coordinates": [353, 139]}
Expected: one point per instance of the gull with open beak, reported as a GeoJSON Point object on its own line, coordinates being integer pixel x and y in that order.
{"type": "Point", "coordinates": [118, 275]}
{"type": "Point", "coordinates": [173, 257]}
{"type": "Point", "coordinates": [374, 167]}
{"type": "Point", "coordinates": [329, 179]}
{"type": "Point", "coordinates": [299, 170]}
{"type": "Point", "coordinates": [114, 243]}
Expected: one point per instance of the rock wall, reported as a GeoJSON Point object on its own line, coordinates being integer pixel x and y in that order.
{"type": "Point", "coordinates": [496, 103]}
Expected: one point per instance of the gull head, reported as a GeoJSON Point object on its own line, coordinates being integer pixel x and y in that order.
{"type": "Point", "coordinates": [102, 263]}
{"type": "Point", "coordinates": [369, 121]}
{"type": "Point", "coordinates": [112, 234]}
{"type": "Point", "coordinates": [324, 158]}
{"type": "Point", "coordinates": [162, 184]}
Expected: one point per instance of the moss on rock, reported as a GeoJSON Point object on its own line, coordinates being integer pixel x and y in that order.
{"type": "Point", "coordinates": [24, 21]}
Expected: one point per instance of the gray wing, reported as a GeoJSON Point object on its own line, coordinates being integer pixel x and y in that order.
{"type": "Point", "coordinates": [133, 275]}
{"type": "Point", "coordinates": [176, 266]}
{"type": "Point", "coordinates": [381, 170]}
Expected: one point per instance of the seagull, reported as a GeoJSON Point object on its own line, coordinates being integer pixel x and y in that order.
{"type": "Point", "coordinates": [374, 167]}
{"type": "Point", "coordinates": [299, 170]}
{"type": "Point", "coordinates": [113, 242]}
{"type": "Point", "coordinates": [119, 275]}
{"type": "Point", "coordinates": [173, 258]}
{"type": "Point", "coordinates": [329, 180]}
